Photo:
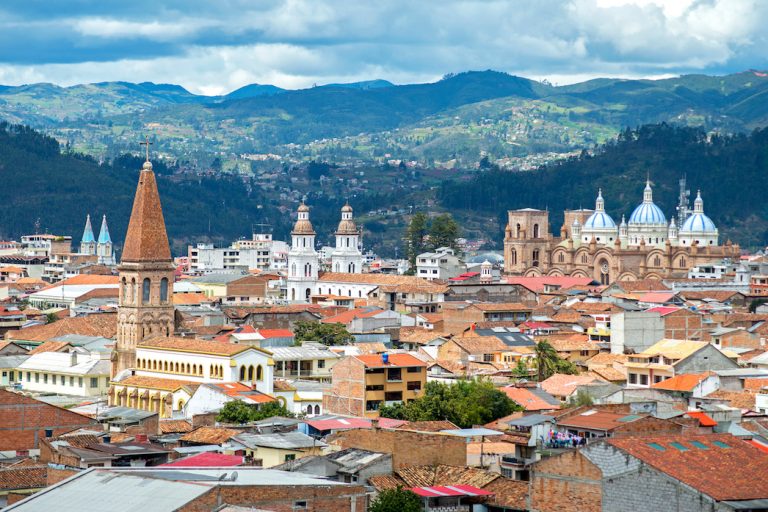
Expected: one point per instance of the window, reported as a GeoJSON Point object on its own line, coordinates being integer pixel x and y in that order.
{"type": "Point", "coordinates": [290, 456]}
{"type": "Point", "coordinates": [535, 261]}
{"type": "Point", "coordinates": [94, 382]}
{"type": "Point", "coordinates": [643, 380]}
{"type": "Point", "coordinates": [375, 387]}
{"type": "Point", "coordinates": [584, 352]}
{"type": "Point", "coordinates": [488, 358]}
{"type": "Point", "coordinates": [29, 376]}
{"type": "Point", "coordinates": [321, 363]}
{"type": "Point", "coordinates": [80, 382]}
{"type": "Point", "coordinates": [561, 258]}
{"type": "Point", "coordinates": [53, 379]}
{"type": "Point", "coordinates": [145, 291]}
{"type": "Point", "coordinates": [414, 385]}
{"type": "Point", "coordinates": [394, 374]}
{"type": "Point", "coordinates": [298, 505]}
{"type": "Point", "coordinates": [657, 379]}
{"type": "Point", "coordinates": [164, 290]}
{"type": "Point", "coordinates": [656, 446]}
{"type": "Point", "coordinates": [414, 369]}
{"type": "Point", "coordinates": [535, 231]}
{"type": "Point", "coordinates": [678, 447]}
{"type": "Point", "coordinates": [45, 378]}
{"type": "Point", "coordinates": [72, 381]}
{"type": "Point", "coordinates": [699, 445]}
{"type": "Point", "coordinates": [393, 396]}
{"type": "Point", "coordinates": [720, 444]}
{"type": "Point", "coordinates": [372, 405]}
{"type": "Point", "coordinates": [633, 378]}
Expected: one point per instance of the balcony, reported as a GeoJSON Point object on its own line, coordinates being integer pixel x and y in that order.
{"type": "Point", "coordinates": [509, 461]}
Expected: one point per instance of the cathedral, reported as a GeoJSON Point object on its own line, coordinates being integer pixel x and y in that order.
{"type": "Point", "coordinates": [102, 247]}
{"type": "Point", "coordinates": [592, 245]}
{"type": "Point", "coordinates": [304, 260]}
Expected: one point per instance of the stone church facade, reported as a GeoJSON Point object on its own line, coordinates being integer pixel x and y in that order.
{"type": "Point", "coordinates": [592, 245]}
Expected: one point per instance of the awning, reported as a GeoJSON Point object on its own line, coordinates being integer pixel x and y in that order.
{"type": "Point", "coordinates": [440, 491]}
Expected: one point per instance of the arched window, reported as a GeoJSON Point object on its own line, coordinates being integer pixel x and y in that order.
{"type": "Point", "coordinates": [681, 263]}
{"type": "Point", "coordinates": [338, 267]}
{"type": "Point", "coordinates": [164, 290]}
{"type": "Point", "coordinates": [125, 290]}
{"type": "Point", "coordinates": [307, 293]}
{"type": "Point", "coordinates": [561, 258]}
{"type": "Point", "coordinates": [351, 268]}
{"type": "Point", "coordinates": [317, 409]}
{"type": "Point", "coordinates": [165, 366]}
{"type": "Point", "coordinates": [250, 373]}
{"type": "Point", "coordinates": [535, 261]}
{"type": "Point", "coordinates": [293, 269]}
{"type": "Point", "coordinates": [242, 373]}
{"type": "Point", "coordinates": [517, 231]}
{"type": "Point", "coordinates": [514, 255]}
{"type": "Point", "coordinates": [145, 291]}
{"type": "Point", "coordinates": [535, 231]}
{"type": "Point", "coordinates": [259, 373]}
{"type": "Point", "coordinates": [309, 409]}
{"type": "Point", "coordinates": [293, 293]}
{"type": "Point", "coordinates": [657, 262]}
{"type": "Point", "coordinates": [133, 293]}
{"type": "Point", "coordinates": [584, 258]}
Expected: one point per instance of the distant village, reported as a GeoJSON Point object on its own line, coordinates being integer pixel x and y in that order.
{"type": "Point", "coordinates": [632, 354]}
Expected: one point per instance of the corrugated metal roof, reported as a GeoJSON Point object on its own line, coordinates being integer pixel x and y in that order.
{"type": "Point", "coordinates": [285, 440]}
{"type": "Point", "coordinates": [301, 353]}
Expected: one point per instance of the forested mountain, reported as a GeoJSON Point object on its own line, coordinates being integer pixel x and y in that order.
{"type": "Point", "coordinates": [42, 184]}
{"type": "Point", "coordinates": [459, 118]}
{"type": "Point", "coordinates": [731, 171]}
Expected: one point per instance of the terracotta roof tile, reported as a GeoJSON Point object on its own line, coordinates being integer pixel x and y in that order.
{"type": "Point", "coordinates": [404, 284]}
{"type": "Point", "coordinates": [420, 335]}
{"type": "Point", "coordinates": [561, 385]}
{"type": "Point", "coordinates": [685, 382]}
{"type": "Point", "coordinates": [25, 477]}
{"type": "Point", "coordinates": [644, 285]}
{"type": "Point", "coordinates": [51, 346]}
{"type": "Point", "coordinates": [175, 426]}
{"type": "Point", "coordinates": [376, 361]}
{"type": "Point", "coordinates": [481, 344]}
{"type": "Point", "coordinates": [103, 325]}
{"type": "Point", "coordinates": [607, 358]}
{"type": "Point", "coordinates": [571, 342]}
{"type": "Point", "coordinates": [195, 345]}
{"type": "Point", "coordinates": [428, 426]}
{"type": "Point", "coordinates": [82, 279]}
{"type": "Point", "coordinates": [723, 473]}
{"type": "Point", "coordinates": [530, 400]}
{"type": "Point", "coordinates": [610, 374]}
{"type": "Point", "coordinates": [146, 239]}
{"type": "Point", "coordinates": [209, 435]}
{"type": "Point", "coordinates": [744, 400]}
{"type": "Point", "coordinates": [141, 381]}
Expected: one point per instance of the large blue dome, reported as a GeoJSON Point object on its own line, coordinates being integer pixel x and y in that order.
{"type": "Point", "coordinates": [698, 223]}
{"type": "Point", "coordinates": [599, 220]}
{"type": "Point", "coordinates": [647, 213]}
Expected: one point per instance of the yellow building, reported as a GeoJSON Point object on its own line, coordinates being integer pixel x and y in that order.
{"type": "Point", "coordinates": [276, 448]}
{"type": "Point", "coordinates": [668, 358]}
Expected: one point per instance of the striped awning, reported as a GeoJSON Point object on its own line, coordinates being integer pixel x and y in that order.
{"type": "Point", "coordinates": [439, 491]}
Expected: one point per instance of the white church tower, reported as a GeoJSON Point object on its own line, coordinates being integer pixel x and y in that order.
{"type": "Point", "coordinates": [303, 260]}
{"type": "Point", "coordinates": [104, 249]}
{"type": "Point", "coordinates": [346, 257]}
{"type": "Point", "coordinates": [88, 242]}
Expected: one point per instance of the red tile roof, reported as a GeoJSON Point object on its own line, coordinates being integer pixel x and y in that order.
{"type": "Point", "coordinates": [656, 297]}
{"type": "Point", "coordinates": [704, 419]}
{"type": "Point", "coordinates": [395, 360]}
{"type": "Point", "coordinates": [537, 284]}
{"type": "Point", "coordinates": [276, 333]}
{"type": "Point", "coordinates": [526, 399]}
{"type": "Point", "coordinates": [686, 382]}
{"type": "Point", "coordinates": [663, 310]}
{"type": "Point", "coordinates": [207, 460]}
{"type": "Point", "coordinates": [598, 420]}
{"type": "Point", "coordinates": [726, 472]}
{"type": "Point", "coordinates": [350, 423]}
{"type": "Point", "coordinates": [347, 316]}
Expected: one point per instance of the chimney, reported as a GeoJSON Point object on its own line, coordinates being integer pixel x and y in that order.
{"type": "Point", "coordinates": [106, 439]}
{"type": "Point", "coordinates": [141, 438]}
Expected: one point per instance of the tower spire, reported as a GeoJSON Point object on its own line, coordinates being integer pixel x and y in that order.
{"type": "Point", "coordinates": [88, 231]}
{"type": "Point", "coordinates": [104, 237]}
{"type": "Point", "coordinates": [146, 239]}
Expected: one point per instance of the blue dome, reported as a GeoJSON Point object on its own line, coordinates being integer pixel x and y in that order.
{"type": "Point", "coordinates": [698, 223]}
{"type": "Point", "coordinates": [599, 220]}
{"type": "Point", "coordinates": [647, 213]}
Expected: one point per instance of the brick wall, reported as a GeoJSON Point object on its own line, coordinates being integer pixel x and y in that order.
{"type": "Point", "coordinates": [649, 425]}
{"type": "Point", "coordinates": [566, 483]}
{"type": "Point", "coordinates": [455, 319]}
{"type": "Point", "coordinates": [55, 476]}
{"type": "Point", "coordinates": [347, 393]}
{"type": "Point", "coordinates": [411, 448]}
{"type": "Point", "coordinates": [282, 498]}
{"type": "Point", "coordinates": [450, 351]}
{"type": "Point", "coordinates": [683, 325]}
{"type": "Point", "coordinates": [23, 421]}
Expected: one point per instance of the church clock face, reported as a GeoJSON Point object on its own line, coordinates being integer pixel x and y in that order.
{"type": "Point", "coordinates": [604, 268]}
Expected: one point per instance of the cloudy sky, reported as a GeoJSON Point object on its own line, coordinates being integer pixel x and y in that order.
{"type": "Point", "coordinates": [213, 47]}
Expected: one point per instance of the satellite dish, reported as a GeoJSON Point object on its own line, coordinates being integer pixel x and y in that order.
{"type": "Point", "coordinates": [222, 477]}
{"type": "Point", "coordinates": [233, 478]}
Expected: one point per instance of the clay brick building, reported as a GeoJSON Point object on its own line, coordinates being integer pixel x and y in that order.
{"type": "Point", "coordinates": [196, 490]}
{"type": "Point", "coordinates": [683, 473]}
{"type": "Point", "coordinates": [457, 316]}
{"type": "Point", "coordinates": [682, 324]}
{"type": "Point", "coordinates": [24, 421]}
{"type": "Point", "coordinates": [406, 447]}
{"type": "Point", "coordinates": [361, 384]}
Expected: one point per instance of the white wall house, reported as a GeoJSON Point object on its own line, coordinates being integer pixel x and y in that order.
{"type": "Point", "coordinates": [75, 373]}
{"type": "Point", "coordinates": [441, 264]}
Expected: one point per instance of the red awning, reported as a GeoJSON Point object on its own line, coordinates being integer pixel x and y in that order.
{"type": "Point", "coordinates": [439, 491]}
{"type": "Point", "coordinates": [704, 419]}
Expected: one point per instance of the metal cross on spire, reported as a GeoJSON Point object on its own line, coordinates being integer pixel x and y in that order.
{"type": "Point", "coordinates": [147, 144]}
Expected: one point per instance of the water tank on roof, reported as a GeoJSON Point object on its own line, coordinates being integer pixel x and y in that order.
{"type": "Point", "coordinates": [385, 358]}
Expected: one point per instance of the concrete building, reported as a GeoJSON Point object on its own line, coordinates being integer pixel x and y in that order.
{"type": "Point", "coordinates": [261, 252]}
{"type": "Point", "coordinates": [361, 384]}
{"type": "Point", "coordinates": [77, 372]}
{"type": "Point", "coordinates": [635, 331]}
{"type": "Point", "coordinates": [441, 264]}
{"type": "Point", "coordinates": [313, 361]}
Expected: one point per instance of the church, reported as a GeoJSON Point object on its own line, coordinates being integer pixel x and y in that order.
{"type": "Point", "coordinates": [304, 260]}
{"type": "Point", "coordinates": [591, 244]}
{"type": "Point", "coordinates": [152, 369]}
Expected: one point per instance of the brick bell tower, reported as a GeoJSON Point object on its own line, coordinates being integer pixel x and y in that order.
{"type": "Point", "coordinates": [146, 275]}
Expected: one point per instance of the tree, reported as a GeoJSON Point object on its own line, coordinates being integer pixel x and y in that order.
{"type": "Point", "coordinates": [415, 236]}
{"type": "Point", "coordinates": [396, 500]}
{"type": "Point", "coordinates": [549, 363]}
{"type": "Point", "coordinates": [443, 232]}
{"type": "Point", "coordinates": [327, 334]}
{"type": "Point", "coordinates": [50, 318]}
{"type": "Point", "coordinates": [239, 412]}
{"type": "Point", "coordinates": [581, 398]}
{"type": "Point", "coordinates": [465, 403]}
